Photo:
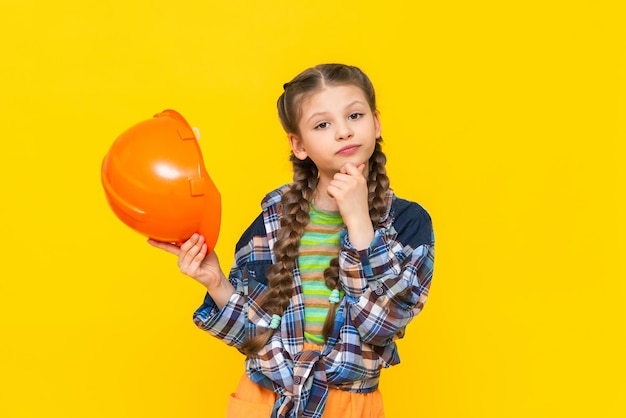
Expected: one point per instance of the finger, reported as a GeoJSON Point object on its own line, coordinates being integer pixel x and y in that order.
{"type": "Point", "coordinates": [335, 188]}
{"type": "Point", "coordinates": [352, 169]}
{"type": "Point", "coordinates": [340, 178]}
{"type": "Point", "coordinates": [190, 249]}
{"type": "Point", "coordinates": [198, 259]}
{"type": "Point", "coordinates": [190, 263]}
{"type": "Point", "coordinates": [193, 240]}
{"type": "Point", "coordinates": [346, 181]}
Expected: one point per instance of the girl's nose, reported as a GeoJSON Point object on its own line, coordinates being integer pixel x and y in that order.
{"type": "Point", "coordinates": [344, 132]}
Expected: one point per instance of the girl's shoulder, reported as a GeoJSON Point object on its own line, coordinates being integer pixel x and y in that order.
{"type": "Point", "coordinates": [267, 220]}
{"type": "Point", "coordinates": [411, 221]}
{"type": "Point", "coordinates": [273, 198]}
{"type": "Point", "coordinates": [408, 208]}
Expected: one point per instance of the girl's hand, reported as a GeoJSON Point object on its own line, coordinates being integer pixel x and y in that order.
{"type": "Point", "coordinates": [349, 189]}
{"type": "Point", "coordinates": [194, 261]}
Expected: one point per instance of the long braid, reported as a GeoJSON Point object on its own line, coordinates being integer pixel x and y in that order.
{"type": "Point", "coordinates": [378, 184]}
{"type": "Point", "coordinates": [331, 278]}
{"type": "Point", "coordinates": [295, 217]}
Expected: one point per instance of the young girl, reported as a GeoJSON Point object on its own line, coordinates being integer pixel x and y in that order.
{"type": "Point", "coordinates": [330, 273]}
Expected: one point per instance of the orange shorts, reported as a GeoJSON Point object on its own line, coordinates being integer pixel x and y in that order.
{"type": "Point", "coordinates": [253, 401]}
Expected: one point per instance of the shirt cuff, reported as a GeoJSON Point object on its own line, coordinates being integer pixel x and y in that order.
{"type": "Point", "coordinates": [208, 317]}
{"type": "Point", "coordinates": [357, 263]}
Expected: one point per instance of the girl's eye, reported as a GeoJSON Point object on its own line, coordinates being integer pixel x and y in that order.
{"type": "Point", "coordinates": [322, 125]}
{"type": "Point", "coordinates": [355, 115]}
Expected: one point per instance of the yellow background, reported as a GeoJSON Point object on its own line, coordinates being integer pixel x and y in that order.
{"type": "Point", "coordinates": [504, 119]}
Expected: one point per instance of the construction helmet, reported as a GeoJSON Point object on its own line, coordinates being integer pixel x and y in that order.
{"type": "Point", "coordinates": [155, 181]}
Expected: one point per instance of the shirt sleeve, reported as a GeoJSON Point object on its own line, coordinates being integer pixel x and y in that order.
{"type": "Point", "coordinates": [229, 323]}
{"type": "Point", "coordinates": [387, 284]}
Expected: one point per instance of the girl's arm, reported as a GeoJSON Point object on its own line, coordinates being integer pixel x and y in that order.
{"type": "Point", "coordinates": [225, 322]}
{"type": "Point", "coordinates": [387, 283]}
{"type": "Point", "coordinates": [222, 313]}
{"type": "Point", "coordinates": [228, 322]}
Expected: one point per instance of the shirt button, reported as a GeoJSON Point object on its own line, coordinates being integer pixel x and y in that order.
{"type": "Point", "coordinates": [297, 380]}
{"type": "Point", "coordinates": [379, 290]}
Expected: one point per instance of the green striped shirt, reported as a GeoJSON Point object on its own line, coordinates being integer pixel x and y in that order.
{"type": "Point", "coordinates": [319, 245]}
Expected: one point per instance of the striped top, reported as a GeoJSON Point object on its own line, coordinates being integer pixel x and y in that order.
{"type": "Point", "coordinates": [318, 246]}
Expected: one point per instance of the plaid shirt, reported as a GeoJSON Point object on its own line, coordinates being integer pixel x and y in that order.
{"type": "Point", "coordinates": [386, 286]}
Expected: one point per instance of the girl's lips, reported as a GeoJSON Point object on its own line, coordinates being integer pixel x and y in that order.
{"type": "Point", "coordinates": [348, 150]}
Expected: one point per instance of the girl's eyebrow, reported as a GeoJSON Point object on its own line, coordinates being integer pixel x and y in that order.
{"type": "Point", "coordinates": [357, 101]}
{"type": "Point", "coordinates": [352, 103]}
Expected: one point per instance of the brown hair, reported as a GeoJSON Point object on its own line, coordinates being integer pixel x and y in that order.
{"type": "Point", "coordinates": [296, 200]}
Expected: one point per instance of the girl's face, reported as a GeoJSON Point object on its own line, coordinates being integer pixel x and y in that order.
{"type": "Point", "coordinates": [337, 127]}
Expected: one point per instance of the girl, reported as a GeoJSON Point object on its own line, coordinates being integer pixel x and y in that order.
{"type": "Point", "coordinates": [330, 273]}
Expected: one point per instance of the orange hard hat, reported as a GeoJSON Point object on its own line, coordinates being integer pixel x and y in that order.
{"type": "Point", "coordinates": [155, 181]}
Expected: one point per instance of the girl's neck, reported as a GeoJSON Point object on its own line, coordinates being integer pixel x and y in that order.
{"type": "Point", "coordinates": [322, 199]}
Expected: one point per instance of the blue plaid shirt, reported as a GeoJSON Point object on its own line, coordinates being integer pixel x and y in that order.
{"type": "Point", "coordinates": [386, 286]}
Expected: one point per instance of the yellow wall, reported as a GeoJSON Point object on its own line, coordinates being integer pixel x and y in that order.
{"type": "Point", "coordinates": [505, 120]}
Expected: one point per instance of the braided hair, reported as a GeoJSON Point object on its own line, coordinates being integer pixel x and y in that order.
{"type": "Point", "coordinates": [296, 200]}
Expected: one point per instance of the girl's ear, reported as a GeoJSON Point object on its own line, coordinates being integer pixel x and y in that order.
{"type": "Point", "coordinates": [297, 147]}
{"type": "Point", "coordinates": [377, 126]}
